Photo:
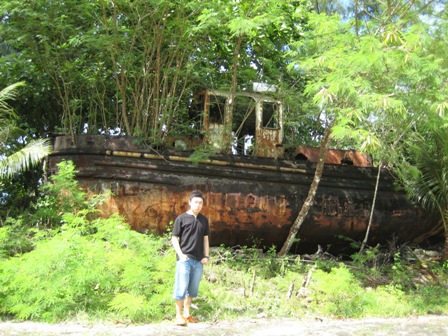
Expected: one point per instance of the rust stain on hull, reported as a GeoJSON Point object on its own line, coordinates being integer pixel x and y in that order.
{"type": "Point", "coordinates": [247, 199]}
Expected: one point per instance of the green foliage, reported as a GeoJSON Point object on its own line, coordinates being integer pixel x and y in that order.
{"type": "Point", "coordinates": [379, 79]}
{"type": "Point", "coordinates": [31, 154]}
{"type": "Point", "coordinates": [20, 156]}
{"type": "Point", "coordinates": [239, 288]}
{"type": "Point", "coordinates": [14, 239]}
{"type": "Point", "coordinates": [102, 269]}
{"type": "Point", "coordinates": [430, 299]}
{"type": "Point", "coordinates": [79, 271]}
{"type": "Point", "coordinates": [202, 153]}
{"type": "Point", "coordinates": [424, 173]}
{"type": "Point", "coordinates": [60, 197]}
{"type": "Point", "coordinates": [100, 67]}
{"type": "Point", "coordinates": [338, 293]}
{"type": "Point", "coordinates": [24, 159]}
{"type": "Point", "coordinates": [85, 264]}
{"type": "Point", "coordinates": [63, 193]}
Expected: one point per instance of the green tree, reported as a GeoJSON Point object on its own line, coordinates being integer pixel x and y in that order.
{"type": "Point", "coordinates": [251, 37]}
{"type": "Point", "coordinates": [250, 43]}
{"type": "Point", "coordinates": [377, 83]}
{"type": "Point", "coordinates": [116, 66]}
{"type": "Point", "coordinates": [131, 67]}
{"type": "Point", "coordinates": [33, 152]}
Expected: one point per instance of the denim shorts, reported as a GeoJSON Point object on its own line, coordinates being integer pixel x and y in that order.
{"type": "Point", "coordinates": [188, 276]}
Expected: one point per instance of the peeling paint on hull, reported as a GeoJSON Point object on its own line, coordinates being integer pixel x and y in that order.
{"type": "Point", "coordinates": [248, 199]}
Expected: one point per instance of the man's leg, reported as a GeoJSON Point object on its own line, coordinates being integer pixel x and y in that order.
{"type": "Point", "coordinates": [193, 287]}
{"type": "Point", "coordinates": [180, 289]}
{"type": "Point", "coordinates": [179, 307]}
{"type": "Point", "coordinates": [180, 321]}
{"type": "Point", "coordinates": [187, 305]}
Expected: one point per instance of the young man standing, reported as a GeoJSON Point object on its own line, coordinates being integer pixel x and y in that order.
{"type": "Point", "coordinates": [190, 241]}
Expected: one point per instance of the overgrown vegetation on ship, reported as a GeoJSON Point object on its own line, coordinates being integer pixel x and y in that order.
{"type": "Point", "coordinates": [78, 265]}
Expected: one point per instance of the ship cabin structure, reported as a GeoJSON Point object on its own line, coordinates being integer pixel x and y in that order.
{"type": "Point", "coordinates": [251, 123]}
{"type": "Point", "coordinates": [247, 123]}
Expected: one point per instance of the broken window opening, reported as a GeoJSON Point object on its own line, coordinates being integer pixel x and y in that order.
{"type": "Point", "coordinates": [195, 112]}
{"type": "Point", "coordinates": [243, 125]}
{"type": "Point", "coordinates": [217, 109]}
{"type": "Point", "coordinates": [270, 115]}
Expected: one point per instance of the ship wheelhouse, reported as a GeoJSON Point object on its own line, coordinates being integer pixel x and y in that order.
{"type": "Point", "coordinates": [243, 123]}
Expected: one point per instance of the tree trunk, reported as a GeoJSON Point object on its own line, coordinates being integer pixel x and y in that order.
{"type": "Point", "coordinates": [228, 135]}
{"type": "Point", "coordinates": [325, 144]}
{"type": "Point", "coordinates": [445, 253]}
{"type": "Point", "coordinates": [366, 237]}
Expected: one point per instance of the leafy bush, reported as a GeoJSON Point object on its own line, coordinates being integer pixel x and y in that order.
{"type": "Point", "coordinates": [88, 264]}
{"type": "Point", "coordinates": [74, 271]}
{"type": "Point", "coordinates": [334, 290]}
{"type": "Point", "coordinates": [14, 239]}
{"type": "Point", "coordinates": [63, 195]}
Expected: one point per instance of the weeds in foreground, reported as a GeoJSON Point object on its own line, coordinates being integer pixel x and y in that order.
{"type": "Point", "coordinates": [128, 277]}
{"type": "Point", "coordinates": [240, 286]}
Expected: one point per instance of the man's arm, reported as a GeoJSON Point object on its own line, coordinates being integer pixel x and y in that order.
{"type": "Point", "coordinates": [206, 250]}
{"type": "Point", "coordinates": [176, 245]}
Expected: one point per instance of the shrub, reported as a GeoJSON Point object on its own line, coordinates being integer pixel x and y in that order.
{"type": "Point", "coordinates": [63, 195]}
{"type": "Point", "coordinates": [74, 272]}
{"type": "Point", "coordinates": [336, 292]}
{"type": "Point", "coordinates": [83, 262]}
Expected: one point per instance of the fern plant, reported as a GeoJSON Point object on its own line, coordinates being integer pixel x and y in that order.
{"type": "Point", "coordinates": [88, 264]}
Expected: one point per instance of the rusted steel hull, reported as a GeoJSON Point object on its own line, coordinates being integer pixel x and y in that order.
{"type": "Point", "coordinates": [248, 200]}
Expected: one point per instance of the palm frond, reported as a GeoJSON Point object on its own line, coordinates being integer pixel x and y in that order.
{"type": "Point", "coordinates": [6, 94]}
{"type": "Point", "coordinates": [5, 49]}
{"type": "Point", "coordinates": [30, 155]}
{"type": "Point", "coordinates": [431, 188]}
{"type": "Point", "coordinates": [7, 131]}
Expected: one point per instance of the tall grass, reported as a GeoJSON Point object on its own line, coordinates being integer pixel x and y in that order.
{"type": "Point", "coordinates": [241, 287]}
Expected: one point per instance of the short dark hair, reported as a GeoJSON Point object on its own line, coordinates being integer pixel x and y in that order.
{"type": "Point", "coordinates": [197, 193]}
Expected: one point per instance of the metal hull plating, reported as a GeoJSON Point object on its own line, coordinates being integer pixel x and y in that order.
{"type": "Point", "coordinates": [249, 200]}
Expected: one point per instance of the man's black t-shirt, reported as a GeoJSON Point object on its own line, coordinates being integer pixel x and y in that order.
{"type": "Point", "coordinates": [191, 231]}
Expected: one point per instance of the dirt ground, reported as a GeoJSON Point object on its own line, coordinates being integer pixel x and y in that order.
{"type": "Point", "coordinates": [415, 326]}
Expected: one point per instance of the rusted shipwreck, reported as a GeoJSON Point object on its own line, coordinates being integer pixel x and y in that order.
{"type": "Point", "coordinates": [250, 199]}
